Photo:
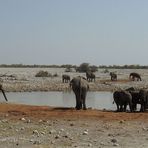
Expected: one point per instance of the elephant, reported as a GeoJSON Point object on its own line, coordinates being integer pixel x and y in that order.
{"type": "Point", "coordinates": [139, 97]}
{"type": "Point", "coordinates": [90, 76]}
{"type": "Point", "coordinates": [65, 78]}
{"type": "Point", "coordinates": [80, 87]}
{"type": "Point", "coordinates": [113, 76]}
{"type": "Point", "coordinates": [135, 99]}
{"type": "Point", "coordinates": [134, 75]}
{"type": "Point", "coordinates": [122, 98]}
{"type": "Point", "coordinates": [1, 88]}
{"type": "Point", "coordinates": [143, 99]}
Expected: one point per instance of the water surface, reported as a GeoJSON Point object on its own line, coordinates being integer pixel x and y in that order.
{"type": "Point", "coordinates": [95, 100]}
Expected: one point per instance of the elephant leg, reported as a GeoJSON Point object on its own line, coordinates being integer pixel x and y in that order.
{"type": "Point", "coordinates": [84, 105]}
{"type": "Point", "coordinates": [121, 108]}
{"type": "Point", "coordinates": [131, 106]}
{"type": "Point", "coordinates": [142, 107]}
{"type": "Point", "coordinates": [83, 98]}
{"type": "Point", "coordinates": [78, 101]}
{"type": "Point", "coordinates": [134, 107]}
{"type": "Point", "coordinates": [131, 109]}
{"type": "Point", "coordinates": [4, 94]}
{"type": "Point", "coordinates": [125, 105]}
{"type": "Point", "coordinates": [118, 109]}
{"type": "Point", "coordinates": [83, 102]}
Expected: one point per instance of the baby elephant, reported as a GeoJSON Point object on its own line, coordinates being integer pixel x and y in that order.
{"type": "Point", "coordinates": [122, 99]}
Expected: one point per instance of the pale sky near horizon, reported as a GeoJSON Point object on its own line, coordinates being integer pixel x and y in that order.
{"type": "Point", "coordinates": [99, 32]}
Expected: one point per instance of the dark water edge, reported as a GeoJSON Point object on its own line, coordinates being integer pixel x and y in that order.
{"type": "Point", "coordinates": [94, 100]}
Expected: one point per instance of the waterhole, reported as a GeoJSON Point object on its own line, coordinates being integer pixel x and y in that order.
{"type": "Point", "coordinates": [94, 100]}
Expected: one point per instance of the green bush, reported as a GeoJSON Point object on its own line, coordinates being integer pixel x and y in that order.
{"type": "Point", "coordinates": [42, 74]}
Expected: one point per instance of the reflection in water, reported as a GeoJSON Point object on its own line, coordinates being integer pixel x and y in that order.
{"type": "Point", "coordinates": [68, 99]}
{"type": "Point", "coordinates": [95, 100]}
{"type": "Point", "coordinates": [100, 100]}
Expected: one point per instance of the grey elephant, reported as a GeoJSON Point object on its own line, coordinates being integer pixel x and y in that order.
{"type": "Point", "coordinates": [113, 76]}
{"type": "Point", "coordinates": [122, 99]}
{"type": "Point", "coordinates": [143, 99]}
{"type": "Point", "coordinates": [135, 99]}
{"type": "Point", "coordinates": [1, 88]}
{"type": "Point", "coordinates": [65, 78]}
{"type": "Point", "coordinates": [90, 76]}
{"type": "Point", "coordinates": [134, 76]}
{"type": "Point", "coordinates": [80, 87]}
{"type": "Point", "coordinates": [139, 97]}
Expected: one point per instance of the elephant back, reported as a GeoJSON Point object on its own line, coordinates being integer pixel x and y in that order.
{"type": "Point", "coordinates": [84, 84]}
{"type": "Point", "coordinates": [122, 96]}
{"type": "Point", "coordinates": [135, 96]}
{"type": "Point", "coordinates": [79, 82]}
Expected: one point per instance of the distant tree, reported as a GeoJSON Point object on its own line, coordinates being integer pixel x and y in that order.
{"type": "Point", "coordinates": [84, 67]}
{"type": "Point", "coordinates": [93, 68]}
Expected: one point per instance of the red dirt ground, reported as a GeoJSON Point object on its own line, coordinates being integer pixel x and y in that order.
{"type": "Point", "coordinates": [15, 112]}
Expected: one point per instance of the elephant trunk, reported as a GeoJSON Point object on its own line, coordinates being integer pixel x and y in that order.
{"type": "Point", "coordinates": [4, 94]}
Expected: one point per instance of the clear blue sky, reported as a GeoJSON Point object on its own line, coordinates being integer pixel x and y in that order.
{"type": "Point", "coordinates": [99, 32]}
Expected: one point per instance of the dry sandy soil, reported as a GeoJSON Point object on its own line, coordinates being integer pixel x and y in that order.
{"type": "Point", "coordinates": [44, 127]}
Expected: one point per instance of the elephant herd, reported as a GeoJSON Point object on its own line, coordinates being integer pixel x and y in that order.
{"type": "Point", "coordinates": [132, 76]}
{"type": "Point", "coordinates": [90, 76]}
{"type": "Point", "coordinates": [122, 98]}
{"type": "Point", "coordinates": [131, 97]}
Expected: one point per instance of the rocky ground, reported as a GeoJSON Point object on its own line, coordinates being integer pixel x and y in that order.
{"type": "Point", "coordinates": [25, 126]}
{"type": "Point", "coordinates": [44, 127]}
{"type": "Point", "coordinates": [23, 79]}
